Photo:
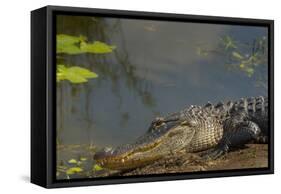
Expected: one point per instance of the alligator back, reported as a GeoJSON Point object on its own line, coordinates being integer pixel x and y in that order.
{"type": "Point", "coordinates": [210, 120]}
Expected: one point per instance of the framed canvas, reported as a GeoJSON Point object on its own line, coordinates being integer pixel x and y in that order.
{"type": "Point", "coordinates": [125, 96]}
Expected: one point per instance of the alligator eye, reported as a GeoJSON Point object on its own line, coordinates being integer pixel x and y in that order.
{"type": "Point", "coordinates": [157, 122]}
{"type": "Point", "coordinates": [156, 126]}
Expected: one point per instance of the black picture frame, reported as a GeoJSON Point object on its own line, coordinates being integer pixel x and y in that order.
{"type": "Point", "coordinates": [43, 95]}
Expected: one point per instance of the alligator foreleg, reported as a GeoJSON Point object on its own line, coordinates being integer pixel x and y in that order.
{"type": "Point", "coordinates": [237, 131]}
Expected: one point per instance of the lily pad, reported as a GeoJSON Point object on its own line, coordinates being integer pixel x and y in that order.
{"type": "Point", "coordinates": [69, 44]}
{"type": "Point", "coordinates": [97, 167]}
{"type": "Point", "coordinates": [74, 170]}
{"type": "Point", "coordinates": [73, 45]}
{"type": "Point", "coordinates": [83, 159]}
{"type": "Point", "coordinates": [74, 74]}
{"type": "Point", "coordinates": [96, 47]}
{"type": "Point", "coordinates": [72, 161]}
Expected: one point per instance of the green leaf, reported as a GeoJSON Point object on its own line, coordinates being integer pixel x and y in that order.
{"type": "Point", "coordinates": [69, 49]}
{"type": "Point", "coordinates": [97, 167]}
{"type": "Point", "coordinates": [83, 159]}
{"type": "Point", "coordinates": [64, 39]}
{"type": "Point", "coordinates": [82, 72]}
{"type": "Point", "coordinates": [237, 55]}
{"type": "Point", "coordinates": [250, 71]}
{"type": "Point", "coordinates": [96, 47]}
{"type": "Point", "coordinates": [74, 170]}
{"type": "Point", "coordinates": [72, 161]}
{"type": "Point", "coordinates": [74, 74]}
{"type": "Point", "coordinates": [78, 44]}
{"type": "Point", "coordinates": [242, 66]}
{"type": "Point", "coordinates": [69, 44]}
{"type": "Point", "coordinates": [228, 43]}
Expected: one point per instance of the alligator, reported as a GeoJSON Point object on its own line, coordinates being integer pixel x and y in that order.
{"type": "Point", "coordinates": [211, 130]}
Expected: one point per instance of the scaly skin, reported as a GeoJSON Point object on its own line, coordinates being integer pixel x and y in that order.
{"type": "Point", "coordinates": [214, 128]}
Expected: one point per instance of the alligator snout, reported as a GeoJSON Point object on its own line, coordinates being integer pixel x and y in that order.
{"type": "Point", "coordinates": [104, 153]}
{"type": "Point", "coordinates": [145, 149]}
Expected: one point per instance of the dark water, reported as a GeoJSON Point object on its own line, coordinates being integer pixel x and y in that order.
{"type": "Point", "coordinates": [155, 70]}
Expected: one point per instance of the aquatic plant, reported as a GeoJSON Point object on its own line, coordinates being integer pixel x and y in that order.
{"type": "Point", "coordinates": [74, 45]}
{"type": "Point", "coordinates": [250, 58]}
{"type": "Point", "coordinates": [74, 74]}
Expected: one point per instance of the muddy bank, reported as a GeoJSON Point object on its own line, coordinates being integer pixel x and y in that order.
{"type": "Point", "coordinates": [252, 156]}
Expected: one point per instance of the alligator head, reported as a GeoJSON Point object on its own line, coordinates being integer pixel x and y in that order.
{"type": "Point", "coordinates": [163, 137]}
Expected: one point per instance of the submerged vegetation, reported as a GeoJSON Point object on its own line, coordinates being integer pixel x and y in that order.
{"type": "Point", "coordinates": [250, 58]}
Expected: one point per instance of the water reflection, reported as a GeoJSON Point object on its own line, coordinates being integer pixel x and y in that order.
{"type": "Point", "coordinates": [154, 70]}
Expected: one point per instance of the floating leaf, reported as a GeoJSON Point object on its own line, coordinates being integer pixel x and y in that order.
{"type": "Point", "coordinates": [74, 170]}
{"type": "Point", "coordinates": [74, 74]}
{"type": "Point", "coordinates": [69, 44]}
{"type": "Point", "coordinates": [69, 49]}
{"type": "Point", "coordinates": [72, 161]}
{"type": "Point", "coordinates": [83, 159]}
{"type": "Point", "coordinates": [97, 167]}
{"type": "Point", "coordinates": [64, 39]}
{"type": "Point", "coordinates": [96, 47]}
{"type": "Point", "coordinates": [77, 45]}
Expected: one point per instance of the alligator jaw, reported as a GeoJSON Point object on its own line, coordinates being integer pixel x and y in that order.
{"type": "Point", "coordinates": [139, 153]}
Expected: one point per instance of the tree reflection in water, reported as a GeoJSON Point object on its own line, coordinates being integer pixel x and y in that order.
{"type": "Point", "coordinates": [115, 67]}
